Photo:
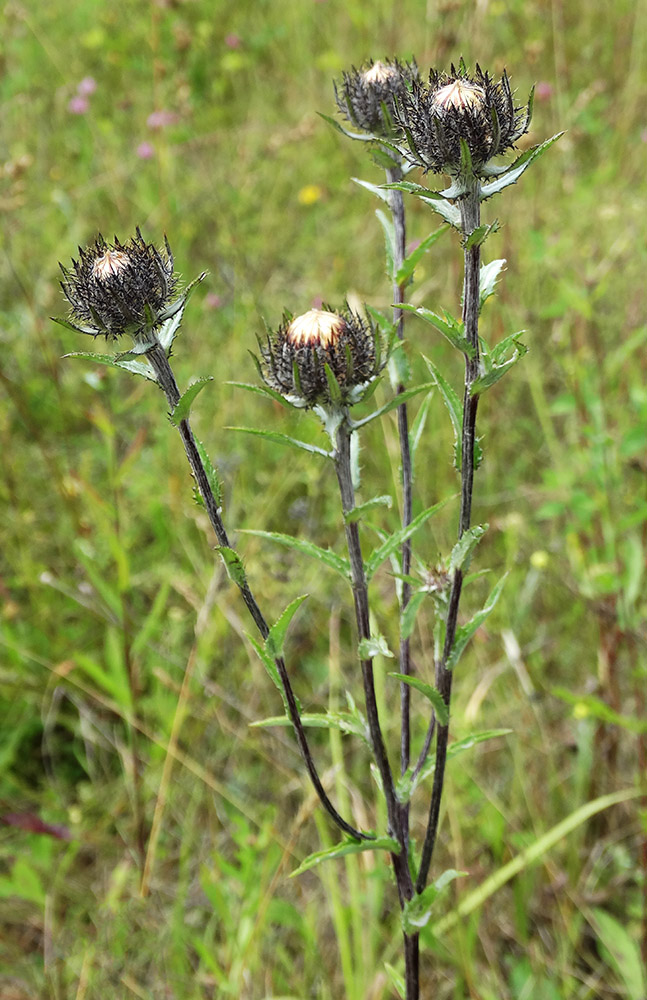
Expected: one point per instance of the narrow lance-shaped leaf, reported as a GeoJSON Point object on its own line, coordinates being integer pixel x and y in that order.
{"type": "Point", "coordinates": [430, 692]}
{"type": "Point", "coordinates": [410, 262]}
{"type": "Point", "coordinates": [479, 235]}
{"type": "Point", "coordinates": [343, 721]}
{"type": "Point", "coordinates": [264, 390]}
{"type": "Point", "coordinates": [462, 551]}
{"type": "Point", "coordinates": [272, 670]}
{"type": "Point", "coordinates": [277, 438]}
{"type": "Point", "coordinates": [211, 473]}
{"type": "Point", "coordinates": [449, 327]}
{"type": "Point", "coordinates": [410, 613]}
{"type": "Point", "coordinates": [417, 910]}
{"type": "Point", "coordinates": [517, 168]}
{"type": "Point", "coordinates": [276, 638]}
{"type": "Point", "coordinates": [489, 276]}
{"type": "Point", "coordinates": [393, 404]}
{"type": "Point", "coordinates": [347, 846]}
{"type": "Point", "coordinates": [373, 188]}
{"type": "Point", "coordinates": [357, 513]}
{"type": "Point", "coordinates": [183, 406]}
{"type": "Point", "coordinates": [417, 430]}
{"type": "Point", "coordinates": [465, 632]}
{"type": "Point", "coordinates": [495, 364]}
{"type": "Point", "coordinates": [394, 541]}
{"type": "Point", "coordinates": [325, 556]}
{"type": "Point", "coordinates": [233, 565]}
{"type": "Point", "coordinates": [134, 367]}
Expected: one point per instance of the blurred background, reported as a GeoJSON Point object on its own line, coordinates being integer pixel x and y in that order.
{"type": "Point", "coordinates": [199, 120]}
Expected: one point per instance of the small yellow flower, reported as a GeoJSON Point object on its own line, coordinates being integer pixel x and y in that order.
{"type": "Point", "coordinates": [309, 194]}
{"type": "Point", "coordinates": [539, 559]}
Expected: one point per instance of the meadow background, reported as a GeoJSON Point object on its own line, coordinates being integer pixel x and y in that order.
{"type": "Point", "coordinates": [200, 120]}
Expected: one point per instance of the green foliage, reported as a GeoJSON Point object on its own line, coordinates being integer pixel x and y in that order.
{"type": "Point", "coordinates": [346, 847]}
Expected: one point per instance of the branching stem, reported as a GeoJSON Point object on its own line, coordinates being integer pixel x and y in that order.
{"type": "Point", "coordinates": [470, 219]}
{"type": "Point", "coordinates": [166, 379]}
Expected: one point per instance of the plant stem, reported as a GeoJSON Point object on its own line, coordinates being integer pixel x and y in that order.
{"type": "Point", "coordinates": [470, 207]}
{"type": "Point", "coordinates": [166, 379]}
{"type": "Point", "coordinates": [397, 819]}
{"type": "Point", "coordinates": [396, 202]}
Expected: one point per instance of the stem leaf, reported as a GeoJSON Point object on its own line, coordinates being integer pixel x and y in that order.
{"type": "Point", "coordinates": [393, 404]}
{"type": "Point", "coordinates": [410, 613]}
{"type": "Point", "coordinates": [450, 328]}
{"type": "Point", "coordinates": [407, 784]}
{"type": "Point", "coordinates": [211, 473]}
{"type": "Point", "coordinates": [325, 556]}
{"type": "Point", "coordinates": [373, 188]}
{"type": "Point", "coordinates": [233, 565]}
{"type": "Point", "coordinates": [276, 638]}
{"type": "Point", "coordinates": [408, 265]}
{"type": "Point", "coordinates": [347, 846]}
{"type": "Point", "coordinates": [375, 645]}
{"type": "Point", "coordinates": [462, 551]}
{"type": "Point", "coordinates": [489, 276]}
{"type": "Point", "coordinates": [132, 366]}
{"type": "Point", "coordinates": [394, 541]}
{"type": "Point", "coordinates": [357, 513]}
{"type": "Point", "coordinates": [345, 722]}
{"type": "Point", "coordinates": [465, 632]}
{"type": "Point", "coordinates": [417, 911]}
{"type": "Point", "coordinates": [389, 242]}
{"type": "Point", "coordinates": [264, 390]}
{"type": "Point", "coordinates": [279, 438]}
{"type": "Point", "coordinates": [430, 692]}
{"type": "Point", "coordinates": [497, 362]}
{"type": "Point", "coordinates": [183, 406]}
{"type": "Point", "coordinates": [517, 168]}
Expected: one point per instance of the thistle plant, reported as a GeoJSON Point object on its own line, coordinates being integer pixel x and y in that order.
{"type": "Point", "coordinates": [331, 361]}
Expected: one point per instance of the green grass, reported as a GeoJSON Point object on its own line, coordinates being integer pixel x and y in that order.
{"type": "Point", "coordinates": [104, 559]}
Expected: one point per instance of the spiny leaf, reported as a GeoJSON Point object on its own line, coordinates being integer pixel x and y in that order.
{"type": "Point", "coordinates": [183, 406]}
{"type": "Point", "coordinates": [463, 549]}
{"type": "Point", "coordinates": [449, 327]}
{"type": "Point", "coordinates": [277, 438]}
{"type": "Point", "coordinates": [488, 278]}
{"type": "Point", "coordinates": [347, 846]}
{"type": "Point", "coordinates": [374, 646]}
{"type": "Point", "coordinates": [417, 911]}
{"type": "Point", "coordinates": [233, 564]}
{"type": "Point", "coordinates": [264, 390]}
{"type": "Point", "coordinates": [276, 638]}
{"type": "Point", "coordinates": [394, 541]}
{"type": "Point", "coordinates": [430, 692]}
{"type": "Point", "coordinates": [465, 632]}
{"type": "Point", "coordinates": [134, 367]}
{"type": "Point", "coordinates": [373, 188]}
{"type": "Point", "coordinates": [210, 470]}
{"type": "Point", "coordinates": [479, 235]}
{"type": "Point", "coordinates": [358, 512]}
{"type": "Point", "coordinates": [409, 264]}
{"type": "Point", "coordinates": [517, 168]}
{"type": "Point", "coordinates": [325, 556]}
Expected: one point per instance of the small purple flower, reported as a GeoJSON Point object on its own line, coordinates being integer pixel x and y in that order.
{"type": "Point", "coordinates": [543, 91]}
{"type": "Point", "coordinates": [145, 151]}
{"type": "Point", "coordinates": [212, 301]}
{"type": "Point", "coordinates": [317, 302]}
{"type": "Point", "coordinates": [160, 119]}
{"type": "Point", "coordinates": [78, 105]}
{"type": "Point", "coordinates": [87, 86]}
{"type": "Point", "coordinates": [232, 41]}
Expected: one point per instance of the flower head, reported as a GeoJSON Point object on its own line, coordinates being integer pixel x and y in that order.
{"type": "Point", "coordinates": [321, 357]}
{"type": "Point", "coordinates": [367, 96]}
{"type": "Point", "coordinates": [119, 288]}
{"type": "Point", "coordinates": [457, 107]}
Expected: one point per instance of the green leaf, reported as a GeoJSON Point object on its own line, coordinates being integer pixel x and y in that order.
{"type": "Point", "coordinates": [374, 188]}
{"type": "Point", "coordinates": [325, 556]}
{"type": "Point", "coordinates": [526, 858]}
{"type": "Point", "coordinates": [347, 846]}
{"type": "Point", "coordinates": [277, 438]}
{"type": "Point", "coordinates": [479, 235]}
{"type": "Point", "coordinates": [376, 645]}
{"type": "Point", "coordinates": [357, 513]}
{"type": "Point", "coordinates": [396, 979]}
{"type": "Point", "coordinates": [417, 430]}
{"type": "Point", "coordinates": [463, 549]}
{"type": "Point", "coordinates": [276, 638]}
{"type": "Point", "coordinates": [449, 327]}
{"type": "Point", "coordinates": [389, 242]}
{"type": "Point", "coordinates": [272, 670]}
{"type": "Point", "coordinates": [394, 541]}
{"type": "Point", "coordinates": [233, 565]}
{"type": "Point", "coordinates": [623, 951]}
{"type": "Point", "coordinates": [398, 366]}
{"type": "Point", "coordinates": [455, 408]}
{"type": "Point", "coordinates": [465, 632]}
{"type": "Point", "coordinates": [333, 386]}
{"type": "Point", "coordinates": [408, 266]}
{"type": "Point", "coordinates": [264, 390]}
{"type": "Point", "coordinates": [362, 137]}
{"type": "Point", "coordinates": [430, 692]}
{"type": "Point", "coordinates": [489, 276]}
{"type": "Point", "coordinates": [407, 785]}
{"type": "Point", "coordinates": [345, 722]}
{"type": "Point", "coordinates": [497, 363]}
{"type": "Point", "coordinates": [172, 316]}
{"type": "Point", "coordinates": [410, 613]}
{"type": "Point", "coordinates": [134, 367]}
{"type": "Point", "coordinates": [439, 201]}
{"type": "Point", "coordinates": [183, 406]}
{"type": "Point", "coordinates": [393, 404]}
{"type": "Point", "coordinates": [417, 911]}
{"type": "Point", "coordinates": [517, 168]}
{"type": "Point", "coordinates": [211, 473]}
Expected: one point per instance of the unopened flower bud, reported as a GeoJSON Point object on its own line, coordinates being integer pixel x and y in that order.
{"type": "Point", "coordinates": [119, 288]}
{"type": "Point", "coordinates": [299, 359]}
{"type": "Point", "coordinates": [456, 107]}
{"type": "Point", "coordinates": [367, 97]}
